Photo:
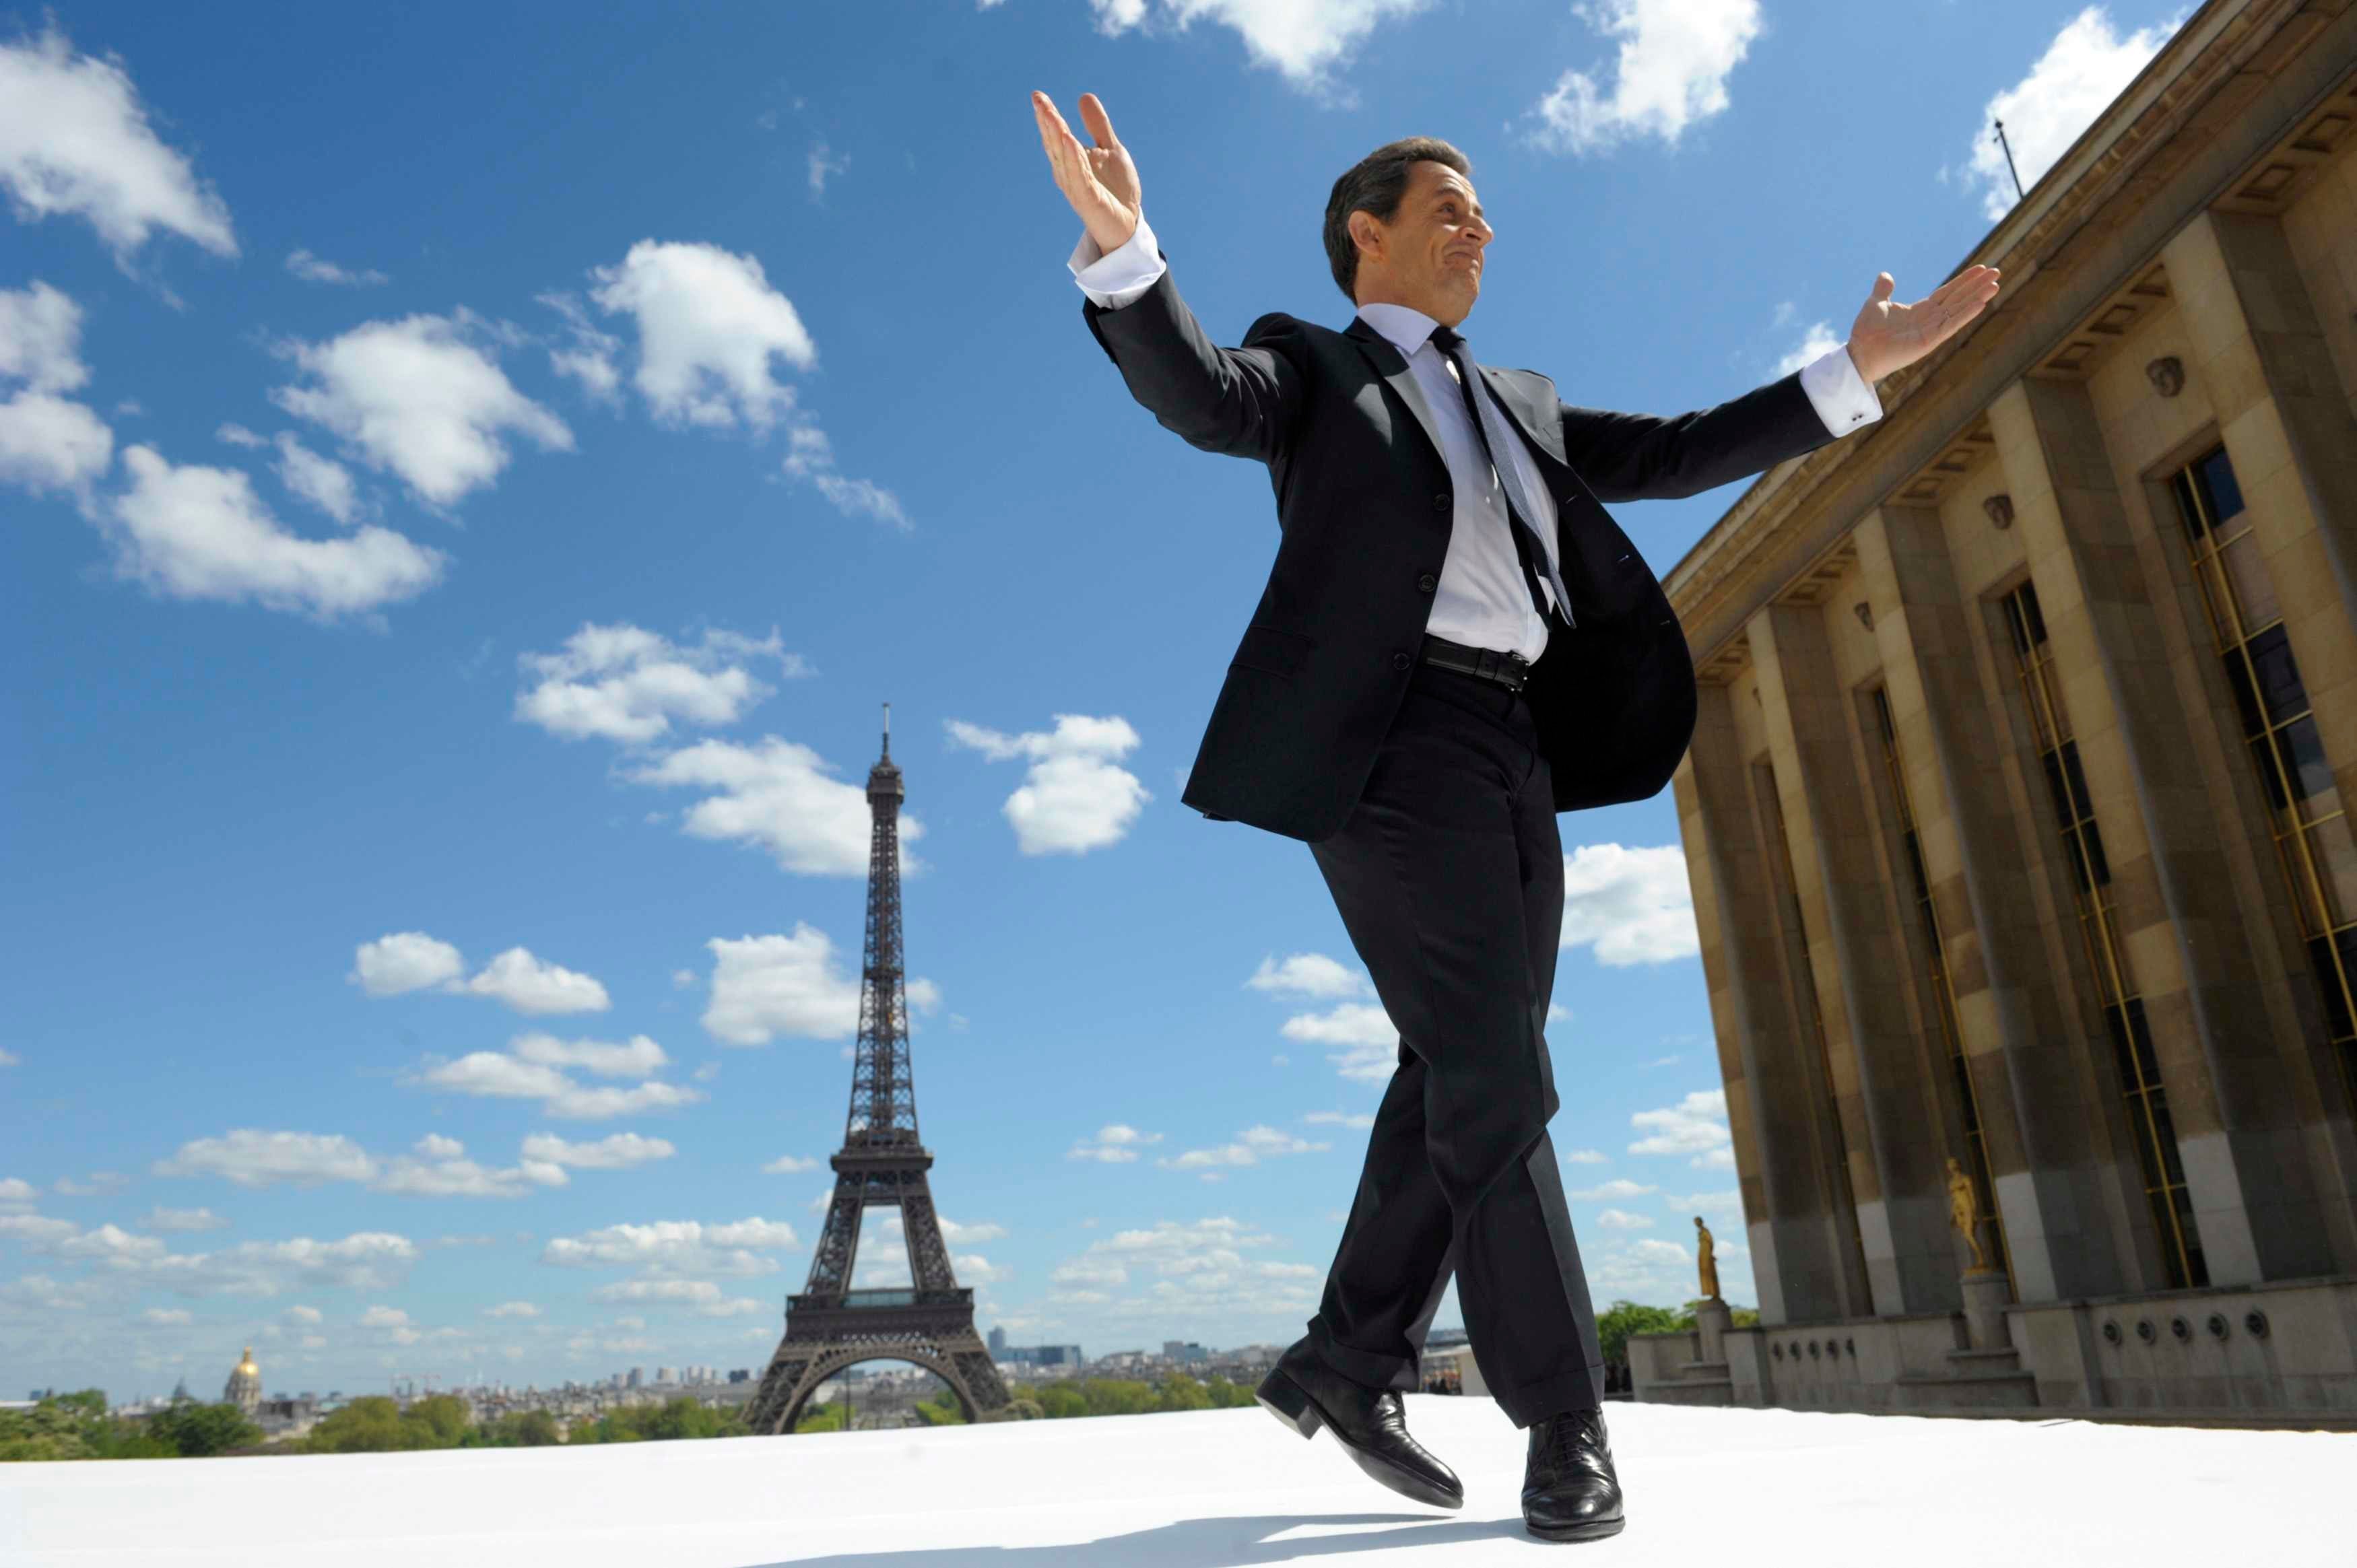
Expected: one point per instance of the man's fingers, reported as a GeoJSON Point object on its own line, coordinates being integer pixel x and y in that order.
{"type": "Point", "coordinates": [1100, 124]}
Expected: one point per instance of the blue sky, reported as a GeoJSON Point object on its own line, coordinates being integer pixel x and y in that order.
{"type": "Point", "coordinates": [470, 481]}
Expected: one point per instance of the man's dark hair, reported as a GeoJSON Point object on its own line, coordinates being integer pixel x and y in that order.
{"type": "Point", "coordinates": [1376, 184]}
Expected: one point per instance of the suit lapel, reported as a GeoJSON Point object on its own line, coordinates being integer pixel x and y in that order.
{"type": "Point", "coordinates": [1545, 434]}
{"type": "Point", "coordinates": [1388, 362]}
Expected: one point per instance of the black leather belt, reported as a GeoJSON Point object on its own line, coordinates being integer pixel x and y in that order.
{"type": "Point", "coordinates": [1511, 670]}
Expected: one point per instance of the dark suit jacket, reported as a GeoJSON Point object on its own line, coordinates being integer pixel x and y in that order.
{"type": "Point", "coordinates": [1364, 502]}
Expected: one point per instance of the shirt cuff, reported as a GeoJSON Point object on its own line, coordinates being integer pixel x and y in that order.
{"type": "Point", "coordinates": [1122, 276]}
{"type": "Point", "coordinates": [1840, 395]}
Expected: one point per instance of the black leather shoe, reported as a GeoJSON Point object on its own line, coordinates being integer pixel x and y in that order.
{"type": "Point", "coordinates": [1570, 1492]}
{"type": "Point", "coordinates": [1369, 1423]}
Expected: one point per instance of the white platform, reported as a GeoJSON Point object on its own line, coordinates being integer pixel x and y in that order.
{"type": "Point", "coordinates": [1737, 1487]}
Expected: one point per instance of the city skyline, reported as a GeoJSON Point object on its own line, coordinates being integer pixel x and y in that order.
{"type": "Point", "coordinates": [470, 506]}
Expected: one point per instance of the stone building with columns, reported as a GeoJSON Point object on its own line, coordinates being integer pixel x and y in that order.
{"type": "Point", "coordinates": [2017, 809]}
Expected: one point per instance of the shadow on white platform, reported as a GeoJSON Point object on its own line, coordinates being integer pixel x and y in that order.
{"type": "Point", "coordinates": [1748, 1489]}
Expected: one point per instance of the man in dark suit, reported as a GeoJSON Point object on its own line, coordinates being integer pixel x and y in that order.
{"type": "Point", "coordinates": [1456, 644]}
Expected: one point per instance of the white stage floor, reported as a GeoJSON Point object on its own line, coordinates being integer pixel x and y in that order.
{"type": "Point", "coordinates": [1735, 1488]}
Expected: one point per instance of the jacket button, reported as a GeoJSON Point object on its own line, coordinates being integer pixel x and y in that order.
{"type": "Point", "coordinates": [1440, 501]}
{"type": "Point", "coordinates": [1426, 583]}
{"type": "Point", "coordinates": [1401, 662]}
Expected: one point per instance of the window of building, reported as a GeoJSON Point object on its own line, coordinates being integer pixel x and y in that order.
{"type": "Point", "coordinates": [1952, 1034]}
{"type": "Point", "coordinates": [2310, 823]}
{"type": "Point", "coordinates": [2123, 1002]}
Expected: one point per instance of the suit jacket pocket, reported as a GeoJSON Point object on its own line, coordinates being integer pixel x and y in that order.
{"type": "Point", "coordinates": [1273, 650]}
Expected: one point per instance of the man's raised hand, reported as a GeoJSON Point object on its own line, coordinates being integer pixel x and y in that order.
{"type": "Point", "coordinates": [1100, 182]}
{"type": "Point", "coordinates": [1888, 336]}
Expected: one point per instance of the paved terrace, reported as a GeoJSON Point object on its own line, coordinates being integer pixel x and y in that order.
{"type": "Point", "coordinates": [1742, 1489]}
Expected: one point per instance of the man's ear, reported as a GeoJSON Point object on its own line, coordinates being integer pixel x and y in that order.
{"type": "Point", "coordinates": [1367, 233]}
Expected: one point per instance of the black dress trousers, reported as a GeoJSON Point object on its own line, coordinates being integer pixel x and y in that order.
{"type": "Point", "coordinates": [1449, 877]}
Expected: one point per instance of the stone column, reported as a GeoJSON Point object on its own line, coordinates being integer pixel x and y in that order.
{"type": "Point", "coordinates": [2184, 930]}
{"type": "Point", "coordinates": [1860, 964]}
{"type": "Point", "coordinates": [1790, 1216]}
{"type": "Point", "coordinates": [2023, 1041]}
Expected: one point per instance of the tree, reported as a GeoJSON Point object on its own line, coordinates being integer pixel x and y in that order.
{"type": "Point", "coordinates": [1180, 1392]}
{"type": "Point", "coordinates": [1627, 1317]}
{"type": "Point", "coordinates": [517, 1429]}
{"type": "Point", "coordinates": [197, 1431]}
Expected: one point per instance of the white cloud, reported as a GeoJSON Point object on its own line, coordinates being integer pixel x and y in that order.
{"type": "Point", "coordinates": [705, 1297]}
{"type": "Point", "coordinates": [317, 269]}
{"type": "Point", "coordinates": [102, 1184]}
{"type": "Point", "coordinates": [75, 140]}
{"type": "Point", "coordinates": [1622, 1220]}
{"type": "Point", "coordinates": [2086, 66]}
{"type": "Point", "coordinates": [1369, 1039]}
{"type": "Point", "coordinates": [1632, 905]}
{"type": "Point", "coordinates": [303, 1314]}
{"type": "Point", "coordinates": [251, 1158]}
{"type": "Point", "coordinates": [368, 1260]}
{"type": "Point", "coordinates": [47, 441]}
{"type": "Point", "coordinates": [675, 1247]}
{"type": "Point", "coordinates": [317, 481]}
{"type": "Point", "coordinates": [199, 533]}
{"type": "Point", "coordinates": [624, 683]}
{"type": "Point", "coordinates": [167, 1317]}
{"type": "Point", "coordinates": [1249, 1147]}
{"type": "Point", "coordinates": [173, 1220]}
{"type": "Point", "coordinates": [1696, 1126]}
{"type": "Point", "coordinates": [513, 1309]}
{"type": "Point", "coordinates": [1661, 1252]}
{"type": "Point", "coordinates": [438, 1168]}
{"type": "Point", "coordinates": [1587, 1157]}
{"type": "Point", "coordinates": [1815, 344]}
{"type": "Point", "coordinates": [421, 399]}
{"type": "Point", "coordinates": [620, 1152]}
{"type": "Point", "coordinates": [1674, 59]}
{"type": "Point", "coordinates": [708, 326]}
{"type": "Point", "coordinates": [15, 1192]}
{"type": "Point", "coordinates": [1358, 1121]}
{"type": "Point", "coordinates": [40, 338]}
{"type": "Point", "coordinates": [498, 1075]}
{"type": "Point", "coordinates": [385, 1318]}
{"type": "Point", "coordinates": [1310, 974]}
{"type": "Point", "coordinates": [766, 986]}
{"type": "Point", "coordinates": [534, 986]}
{"type": "Point", "coordinates": [402, 961]}
{"type": "Point", "coordinates": [50, 443]}
{"type": "Point", "coordinates": [636, 1057]}
{"type": "Point", "coordinates": [811, 456]}
{"type": "Point", "coordinates": [588, 356]}
{"type": "Point", "coordinates": [779, 796]}
{"type": "Point", "coordinates": [1303, 39]}
{"type": "Point", "coordinates": [1726, 1204]}
{"type": "Point", "coordinates": [974, 1269]}
{"type": "Point", "coordinates": [788, 1164]}
{"type": "Point", "coordinates": [1619, 1188]}
{"type": "Point", "coordinates": [824, 165]}
{"type": "Point", "coordinates": [237, 434]}
{"type": "Point", "coordinates": [1115, 1144]}
{"type": "Point", "coordinates": [1074, 798]}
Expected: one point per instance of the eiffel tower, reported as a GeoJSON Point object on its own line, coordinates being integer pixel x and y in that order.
{"type": "Point", "coordinates": [830, 1326]}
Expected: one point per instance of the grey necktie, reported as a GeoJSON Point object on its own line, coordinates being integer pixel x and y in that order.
{"type": "Point", "coordinates": [1489, 427]}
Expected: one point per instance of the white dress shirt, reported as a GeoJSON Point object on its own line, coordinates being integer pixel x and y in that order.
{"type": "Point", "coordinates": [1484, 598]}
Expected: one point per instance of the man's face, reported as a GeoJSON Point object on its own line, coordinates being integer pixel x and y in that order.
{"type": "Point", "coordinates": [1430, 253]}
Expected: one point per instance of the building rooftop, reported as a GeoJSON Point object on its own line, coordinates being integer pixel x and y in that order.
{"type": "Point", "coordinates": [1759, 1487]}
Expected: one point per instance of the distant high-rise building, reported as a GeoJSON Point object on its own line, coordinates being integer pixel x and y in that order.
{"type": "Point", "coordinates": [637, 1377]}
{"type": "Point", "coordinates": [998, 1344]}
{"type": "Point", "coordinates": [244, 1388]}
{"type": "Point", "coordinates": [666, 1374]}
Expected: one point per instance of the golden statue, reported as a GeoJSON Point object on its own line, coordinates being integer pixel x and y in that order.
{"type": "Point", "coordinates": [1707, 1257]}
{"type": "Point", "coordinates": [1964, 1212]}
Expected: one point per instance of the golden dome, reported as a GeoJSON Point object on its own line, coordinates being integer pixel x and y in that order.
{"type": "Point", "coordinates": [245, 1364]}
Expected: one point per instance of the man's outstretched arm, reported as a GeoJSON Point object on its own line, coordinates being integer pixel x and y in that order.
{"type": "Point", "coordinates": [1240, 401]}
{"type": "Point", "coordinates": [1639, 457]}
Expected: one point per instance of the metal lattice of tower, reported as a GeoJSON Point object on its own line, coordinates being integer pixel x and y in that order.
{"type": "Point", "coordinates": [830, 1325]}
